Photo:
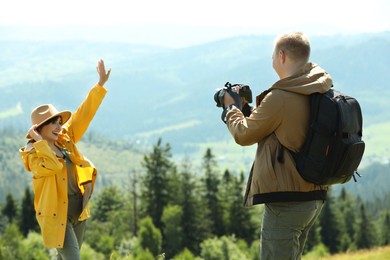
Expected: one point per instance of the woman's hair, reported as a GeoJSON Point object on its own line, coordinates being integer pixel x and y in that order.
{"type": "Point", "coordinates": [295, 45]}
{"type": "Point", "coordinates": [52, 120]}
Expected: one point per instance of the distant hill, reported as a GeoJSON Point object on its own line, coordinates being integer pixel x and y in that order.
{"type": "Point", "coordinates": [162, 92]}
{"type": "Point", "coordinates": [118, 161]}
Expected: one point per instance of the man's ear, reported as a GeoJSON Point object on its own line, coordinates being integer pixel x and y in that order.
{"type": "Point", "coordinates": [282, 56]}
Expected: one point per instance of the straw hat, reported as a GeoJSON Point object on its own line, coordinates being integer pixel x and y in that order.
{"type": "Point", "coordinates": [46, 112]}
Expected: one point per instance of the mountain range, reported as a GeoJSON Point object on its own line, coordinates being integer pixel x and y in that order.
{"type": "Point", "coordinates": [165, 92]}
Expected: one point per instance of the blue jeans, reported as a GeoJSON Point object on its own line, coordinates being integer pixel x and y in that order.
{"type": "Point", "coordinates": [285, 228]}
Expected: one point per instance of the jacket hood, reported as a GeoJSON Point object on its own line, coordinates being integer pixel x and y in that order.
{"type": "Point", "coordinates": [310, 79]}
{"type": "Point", "coordinates": [24, 152]}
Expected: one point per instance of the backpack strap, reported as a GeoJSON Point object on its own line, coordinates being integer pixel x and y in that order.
{"type": "Point", "coordinates": [260, 97]}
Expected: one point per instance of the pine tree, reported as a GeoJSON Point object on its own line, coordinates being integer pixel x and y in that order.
{"type": "Point", "coordinates": [155, 184]}
{"type": "Point", "coordinates": [346, 205]}
{"type": "Point", "coordinates": [109, 200]}
{"type": "Point", "coordinates": [314, 237]}
{"type": "Point", "coordinates": [134, 197]}
{"type": "Point", "coordinates": [330, 224]}
{"type": "Point", "coordinates": [385, 230]}
{"type": "Point", "coordinates": [194, 224]}
{"type": "Point", "coordinates": [240, 223]}
{"type": "Point", "coordinates": [173, 233]}
{"type": "Point", "coordinates": [27, 220]}
{"type": "Point", "coordinates": [173, 187]}
{"type": "Point", "coordinates": [227, 197]}
{"type": "Point", "coordinates": [10, 209]}
{"type": "Point", "coordinates": [149, 237]}
{"type": "Point", "coordinates": [3, 224]}
{"type": "Point", "coordinates": [211, 194]}
{"type": "Point", "coordinates": [365, 235]}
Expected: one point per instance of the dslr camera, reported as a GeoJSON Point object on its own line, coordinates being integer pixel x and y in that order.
{"type": "Point", "coordinates": [237, 91]}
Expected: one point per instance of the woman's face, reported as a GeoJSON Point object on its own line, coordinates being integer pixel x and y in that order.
{"type": "Point", "coordinates": [50, 131]}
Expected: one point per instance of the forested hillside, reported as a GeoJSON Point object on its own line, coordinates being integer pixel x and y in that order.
{"type": "Point", "coordinates": [158, 92]}
{"type": "Point", "coordinates": [159, 112]}
{"type": "Point", "coordinates": [119, 160]}
{"type": "Point", "coordinates": [153, 207]}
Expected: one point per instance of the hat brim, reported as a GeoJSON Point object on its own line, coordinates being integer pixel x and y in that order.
{"type": "Point", "coordinates": [65, 116]}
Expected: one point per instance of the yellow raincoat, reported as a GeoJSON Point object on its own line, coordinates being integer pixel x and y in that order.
{"type": "Point", "coordinates": [50, 181]}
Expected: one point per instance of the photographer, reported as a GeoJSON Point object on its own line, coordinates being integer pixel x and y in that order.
{"type": "Point", "coordinates": [280, 120]}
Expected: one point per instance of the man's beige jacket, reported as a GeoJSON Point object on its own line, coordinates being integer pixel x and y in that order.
{"type": "Point", "coordinates": [280, 120]}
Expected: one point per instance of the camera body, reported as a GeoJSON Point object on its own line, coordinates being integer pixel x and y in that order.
{"type": "Point", "coordinates": [241, 90]}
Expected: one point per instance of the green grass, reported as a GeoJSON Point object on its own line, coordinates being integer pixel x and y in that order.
{"type": "Point", "coordinates": [376, 253]}
{"type": "Point", "coordinates": [377, 141]}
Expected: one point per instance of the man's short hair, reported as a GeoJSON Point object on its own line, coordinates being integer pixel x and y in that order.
{"type": "Point", "coordinates": [295, 45]}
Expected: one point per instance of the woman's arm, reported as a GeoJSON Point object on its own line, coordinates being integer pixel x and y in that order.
{"type": "Point", "coordinates": [80, 120]}
{"type": "Point", "coordinates": [43, 161]}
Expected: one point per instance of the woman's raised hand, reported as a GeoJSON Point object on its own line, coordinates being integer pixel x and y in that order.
{"type": "Point", "coordinates": [103, 74]}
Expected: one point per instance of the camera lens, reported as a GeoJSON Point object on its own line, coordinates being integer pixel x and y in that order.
{"type": "Point", "coordinates": [216, 98]}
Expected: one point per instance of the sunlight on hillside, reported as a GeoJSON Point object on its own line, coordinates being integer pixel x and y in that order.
{"type": "Point", "coordinates": [377, 142]}
{"type": "Point", "coordinates": [176, 127]}
{"type": "Point", "coordinates": [229, 155]}
{"type": "Point", "coordinates": [13, 111]}
{"type": "Point", "coordinates": [377, 254]}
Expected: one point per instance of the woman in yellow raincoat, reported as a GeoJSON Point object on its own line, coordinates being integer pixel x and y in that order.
{"type": "Point", "coordinates": [63, 179]}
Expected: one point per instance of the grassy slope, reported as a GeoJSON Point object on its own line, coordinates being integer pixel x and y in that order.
{"type": "Point", "coordinates": [377, 253]}
{"type": "Point", "coordinates": [377, 141]}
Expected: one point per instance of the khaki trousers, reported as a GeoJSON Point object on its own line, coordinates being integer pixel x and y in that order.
{"type": "Point", "coordinates": [285, 228]}
{"type": "Point", "coordinates": [74, 234]}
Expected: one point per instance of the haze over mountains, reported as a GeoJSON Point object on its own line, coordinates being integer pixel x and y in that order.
{"type": "Point", "coordinates": [168, 92]}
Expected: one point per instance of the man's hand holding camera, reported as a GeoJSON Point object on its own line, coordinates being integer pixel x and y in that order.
{"type": "Point", "coordinates": [228, 100]}
{"type": "Point", "coordinates": [238, 95]}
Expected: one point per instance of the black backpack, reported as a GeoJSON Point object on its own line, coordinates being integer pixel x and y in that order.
{"type": "Point", "coordinates": [333, 148]}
